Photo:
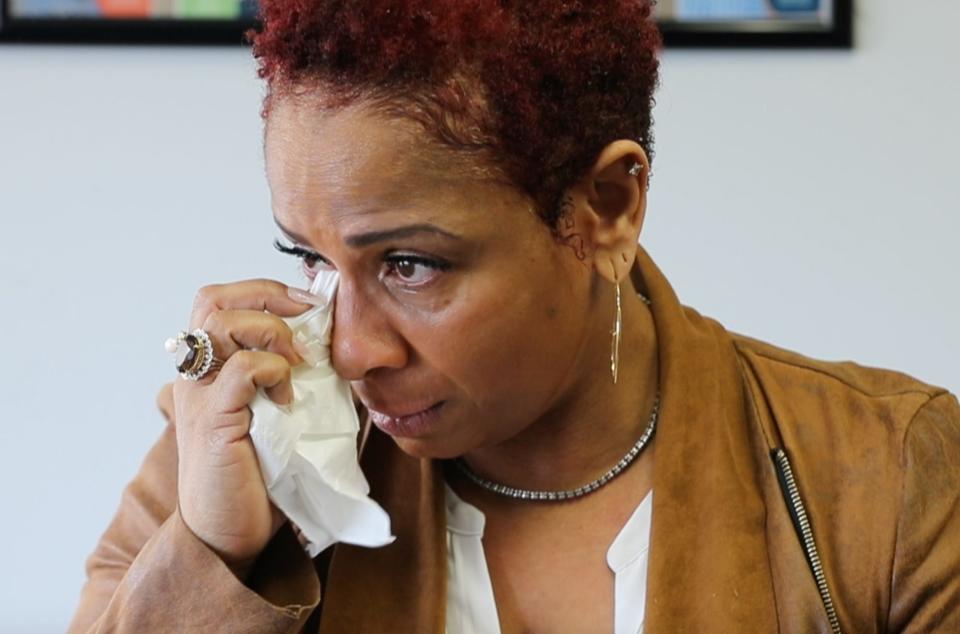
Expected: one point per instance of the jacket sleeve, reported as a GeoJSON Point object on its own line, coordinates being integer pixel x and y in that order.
{"type": "Point", "coordinates": [150, 573]}
{"type": "Point", "coordinates": [925, 593]}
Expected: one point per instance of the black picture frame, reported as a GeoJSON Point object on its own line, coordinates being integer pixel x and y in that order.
{"type": "Point", "coordinates": [764, 34]}
{"type": "Point", "coordinates": [686, 34]}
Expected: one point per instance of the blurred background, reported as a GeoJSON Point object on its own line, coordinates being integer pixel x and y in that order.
{"type": "Point", "coordinates": [808, 198]}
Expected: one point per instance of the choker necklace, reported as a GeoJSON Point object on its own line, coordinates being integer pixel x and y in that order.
{"type": "Point", "coordinates": [555, 496]}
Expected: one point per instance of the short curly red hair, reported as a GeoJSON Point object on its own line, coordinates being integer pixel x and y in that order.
{"type": "Point", "coordinates": [539, 87]}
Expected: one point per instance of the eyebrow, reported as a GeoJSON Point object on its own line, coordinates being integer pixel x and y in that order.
{"type": "Point", "coordinates": [361, 240]}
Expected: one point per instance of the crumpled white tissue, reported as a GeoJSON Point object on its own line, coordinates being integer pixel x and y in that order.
{"type": "Point", "coordinates": [308, 450]}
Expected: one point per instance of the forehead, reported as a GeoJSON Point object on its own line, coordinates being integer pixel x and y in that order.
{"type": "Point", "coordinates": [350, 159]}
{"type": "Point", "coordinates": [341, 153]}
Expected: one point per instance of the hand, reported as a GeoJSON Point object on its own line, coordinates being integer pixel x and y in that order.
{"type": "Point", "coordinates": [222, 496]}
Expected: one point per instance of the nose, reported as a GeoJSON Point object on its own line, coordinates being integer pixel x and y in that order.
{"type": "Point", "coordinates": [363, 340]}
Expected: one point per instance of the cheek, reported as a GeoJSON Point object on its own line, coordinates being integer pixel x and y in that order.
{"type": "Point", "coordinates": [503, 348]}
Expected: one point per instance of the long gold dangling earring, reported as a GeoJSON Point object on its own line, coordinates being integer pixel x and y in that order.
{"type": "Point", "coordinates": [615, 341]}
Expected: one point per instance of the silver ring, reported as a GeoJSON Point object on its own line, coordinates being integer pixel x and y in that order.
{"type": "Point", "coordinates": [194, 354]}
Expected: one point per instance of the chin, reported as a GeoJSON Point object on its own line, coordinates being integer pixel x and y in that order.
{"type": "Point", "coordinates": [433, 448]}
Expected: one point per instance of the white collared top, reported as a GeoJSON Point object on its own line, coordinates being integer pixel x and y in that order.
{"type": "Point", "coordinates": [471, 607]}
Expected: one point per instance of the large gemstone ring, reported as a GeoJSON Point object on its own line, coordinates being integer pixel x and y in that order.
{"type": "Point", "coordinates": [194, 354]}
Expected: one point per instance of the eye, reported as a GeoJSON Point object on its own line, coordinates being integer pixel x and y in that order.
{"type": "Point", "coordinates": [312, 262]}
{"type": "Point", "coordinates": [414, 271]}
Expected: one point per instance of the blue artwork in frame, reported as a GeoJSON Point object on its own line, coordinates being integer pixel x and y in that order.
{"type": "Point", "coordinates": [786, 6]}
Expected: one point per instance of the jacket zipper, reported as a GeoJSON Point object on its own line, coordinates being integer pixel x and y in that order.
{"type": "Point", "coordinates": [801, 522]}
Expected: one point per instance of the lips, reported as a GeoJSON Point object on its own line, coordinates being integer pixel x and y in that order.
{"type": "Point", "coordinates": [398, 411]}
{"type": "Point", "coordinates": [410, 424]}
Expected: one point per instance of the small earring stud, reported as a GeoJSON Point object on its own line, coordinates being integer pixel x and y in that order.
{"type": "Point", "coordinates": [635, 169]}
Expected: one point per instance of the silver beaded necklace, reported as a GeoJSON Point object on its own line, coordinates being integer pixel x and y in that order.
{"type": "Point", "coordinates": [556, 496]}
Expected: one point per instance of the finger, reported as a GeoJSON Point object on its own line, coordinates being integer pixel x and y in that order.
{"type": "Point", "coordinates": [261, 295]}
{"type": "Point", "coordinates": [245, 372]}
{"type": "Point", "coordinates": [233, 330]}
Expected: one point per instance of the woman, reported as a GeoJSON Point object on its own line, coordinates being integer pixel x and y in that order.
{"type": "Point", "coordinates": [476, 172]}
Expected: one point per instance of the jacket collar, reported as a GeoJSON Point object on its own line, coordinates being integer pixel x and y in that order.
{"type": "Point", "coordinates": [708, 567]}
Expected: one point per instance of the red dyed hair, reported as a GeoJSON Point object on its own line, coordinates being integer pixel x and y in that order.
{"type": "Point", "coordinates": [539, 87]}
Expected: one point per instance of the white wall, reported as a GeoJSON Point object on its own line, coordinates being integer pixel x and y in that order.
{"type": "Point", "coordinates": [807, 198]}
{"type": "Point", "coordinates": [812, 198]}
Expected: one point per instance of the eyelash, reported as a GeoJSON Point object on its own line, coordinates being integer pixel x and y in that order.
{"type": "Point", "coordinates": [310, 259]}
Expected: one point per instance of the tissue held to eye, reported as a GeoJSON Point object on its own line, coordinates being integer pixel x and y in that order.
{"type": "Point", "coordinates": [220, 489]}
{"type": "Point", "coordinates": [307, 449]}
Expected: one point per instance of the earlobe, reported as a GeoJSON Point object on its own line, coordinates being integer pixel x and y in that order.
{"type": "Point", "coordinates": [607, 269]}
{"type": "Point", "coordinates": [614, 266]}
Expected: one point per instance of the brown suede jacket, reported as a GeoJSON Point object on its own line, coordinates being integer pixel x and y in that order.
{"type": "Point", "coordinates": [793, 495]}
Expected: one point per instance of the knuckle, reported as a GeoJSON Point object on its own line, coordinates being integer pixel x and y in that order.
{"type": "Point", "coordinates": [275, 367]}
{"type": "Point", "coordinates": [282, 332]}
{"type": "Point", "coordinates": [283, 328]}
{"type": "Point", "coordinates": [244, 360]}
{"type": "Point", "coordinates": [206, 295]}
{"type": "Point", "coordinates": [270, 285]}
{"type": "Point", "coordinates": [274, 332]}
{"type": "Point", "coordinates": [214, 322]}
{"type": "Point", "coordinates": [219, 436]}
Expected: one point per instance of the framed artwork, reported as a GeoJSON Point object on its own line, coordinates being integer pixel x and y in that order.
{"type": "Point", "coordinates": [685, 23]}
{"type": "Point", "coordinates": [763, 23]}
{"type": "Point", "coordinates": [126, 21]}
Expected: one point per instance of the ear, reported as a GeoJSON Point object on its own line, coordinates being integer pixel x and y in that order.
{"type": "Point", "coordinates": [610, 204]}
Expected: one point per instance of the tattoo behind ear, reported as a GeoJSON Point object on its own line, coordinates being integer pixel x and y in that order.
{"type": "Point", "coordinates": [567, 236]}
{"type": "Point", "coordinates": [575, 242]}
{"type": "Point", "coordinates": [565, 213]}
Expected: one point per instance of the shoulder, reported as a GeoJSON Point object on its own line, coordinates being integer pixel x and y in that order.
{"type": "Point", "coordinates": [844, 422]}
{"type": "Point", "coordinates": [876, 454]}
{"type": "Point", "coordinates": [835, 398]}
{"type": "Point", "coordinates": [857, 436]}
{"type": "Point", "coordinates": [786, 367]}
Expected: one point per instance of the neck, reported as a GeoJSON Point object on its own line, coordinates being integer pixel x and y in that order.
{"type": "Point", "coordinates": [595, 424]}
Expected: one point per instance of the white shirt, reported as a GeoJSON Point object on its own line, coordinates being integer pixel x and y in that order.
{"type": "Point", "coordinates": [471, 607]}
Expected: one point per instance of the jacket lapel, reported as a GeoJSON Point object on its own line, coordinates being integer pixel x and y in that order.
{"type": "Point", "coordinates": [708, 555]}
{"type": "Point", "coordinates": [401, 587]}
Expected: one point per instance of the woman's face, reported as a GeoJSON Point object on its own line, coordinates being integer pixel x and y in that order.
{"type": "Point", "coordinates": [460, 319]}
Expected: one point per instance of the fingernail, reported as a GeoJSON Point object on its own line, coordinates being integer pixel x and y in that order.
{"type": "Point", "coordinates": [304, 297]}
